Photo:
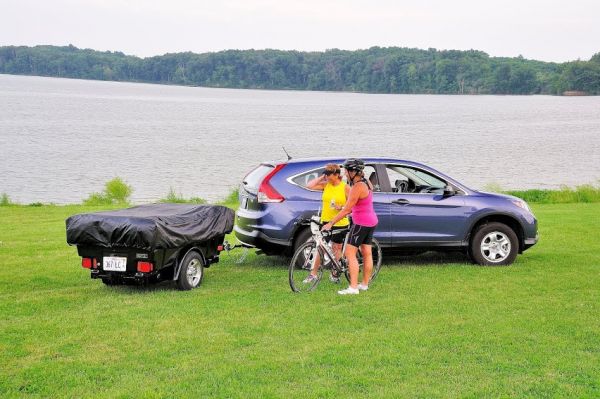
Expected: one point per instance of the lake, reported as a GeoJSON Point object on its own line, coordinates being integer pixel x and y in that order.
{"type": "Point", "coordinates": [61, 139]}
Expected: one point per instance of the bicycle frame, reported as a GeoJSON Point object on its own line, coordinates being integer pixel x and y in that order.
{"type": "Point", "coordinates": [318, 236]}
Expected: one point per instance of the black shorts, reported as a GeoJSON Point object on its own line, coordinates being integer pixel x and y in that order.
{"type": "Point", "coordinates": [337, 238]}
{"type": "Point", "coordinates": [360, 235]}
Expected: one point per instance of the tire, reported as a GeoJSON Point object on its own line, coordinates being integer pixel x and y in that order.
{"type": "Point", "coordinates": [191, 272]}
{"type": "Point", "coordinates": [303, 237]}
{"type": "Point", "coordinates": [376, 252]}
{"type": "Point", "coordinates": [494, 244]}
{"type": "Point", "coordinates": [301, 265]}
{"type": "Point", "coordinates": [108, 281]}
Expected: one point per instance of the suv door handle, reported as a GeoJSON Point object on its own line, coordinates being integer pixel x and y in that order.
{"type": "Point", "coordinates": [401, 202]}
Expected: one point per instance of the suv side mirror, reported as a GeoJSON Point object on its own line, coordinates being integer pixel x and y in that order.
{"type": "Point", "coordinates": [449, 191]}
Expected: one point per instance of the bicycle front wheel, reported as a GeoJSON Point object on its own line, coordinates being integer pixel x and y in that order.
{"type": "Point", "coordinates": [376, 254]}
{"type": "Point", "coordinates": [306, 259]}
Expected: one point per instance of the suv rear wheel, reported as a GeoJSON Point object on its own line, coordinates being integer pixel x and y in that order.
{"type": "Point", "coordinates": [302, 238]}
{"type": "Point", "coordinates": [494, 244]}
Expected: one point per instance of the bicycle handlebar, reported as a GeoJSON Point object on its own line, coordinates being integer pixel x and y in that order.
{"type": "Point", "coordinates": [329, 232]}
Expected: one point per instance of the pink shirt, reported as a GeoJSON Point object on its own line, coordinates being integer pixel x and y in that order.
{"type": "Point", "coordinates": [363, 213]}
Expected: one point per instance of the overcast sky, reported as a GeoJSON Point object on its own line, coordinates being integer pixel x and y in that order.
{"type": "Point", "coordinates": [545, 30]}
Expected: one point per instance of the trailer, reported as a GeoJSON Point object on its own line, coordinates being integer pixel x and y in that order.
{"type": "Point", "coordinates": [151, 243]}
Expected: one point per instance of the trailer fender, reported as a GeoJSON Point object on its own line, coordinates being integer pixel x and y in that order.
{"type": "Point", "coordinates": [179, 258]}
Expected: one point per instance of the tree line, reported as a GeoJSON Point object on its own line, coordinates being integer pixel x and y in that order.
{"type": "Point", "coordinates": [374, 70]}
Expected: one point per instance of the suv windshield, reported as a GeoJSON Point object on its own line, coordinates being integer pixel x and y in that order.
{"type": "Point", "coordinates": [253, 179]}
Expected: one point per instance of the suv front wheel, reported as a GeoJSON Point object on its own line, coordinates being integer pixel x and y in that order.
{"type": "Point", "coordinates": [494, 244]}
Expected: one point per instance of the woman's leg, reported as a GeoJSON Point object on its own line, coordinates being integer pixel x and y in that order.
{"type": "Point", "coordinates": [316, 264]}
{"type": "Point", "coordinates": [337, 250]}
{"type": "Point", "coordinates": [367, 256]}
{"type": "Point", "coordinates": [352, 264]}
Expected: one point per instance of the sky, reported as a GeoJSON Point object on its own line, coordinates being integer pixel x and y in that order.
{"type": "Point", "coordinates": [544, 30]}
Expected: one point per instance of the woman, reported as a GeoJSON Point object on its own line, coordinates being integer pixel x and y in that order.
{"type": "Point", "coordinates": [335, 193]}
{"type": "Point", "coordinates": [364, 221]}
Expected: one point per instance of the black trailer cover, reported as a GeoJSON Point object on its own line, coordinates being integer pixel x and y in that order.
{"type": "Point", "coordinates": [149, 227]}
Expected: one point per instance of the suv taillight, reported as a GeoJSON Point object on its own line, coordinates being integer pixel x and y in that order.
{"type": "Point", "coordinates": [266, 192]}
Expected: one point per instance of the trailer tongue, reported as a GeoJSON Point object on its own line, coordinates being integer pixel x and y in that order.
{"type": "Point", "coordinates": [151, 243]}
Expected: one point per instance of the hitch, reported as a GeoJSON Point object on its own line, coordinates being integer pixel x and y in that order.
{"type": "Point", "coordinates": [228, 248]}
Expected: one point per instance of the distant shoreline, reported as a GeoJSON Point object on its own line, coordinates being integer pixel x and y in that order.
{"type": "Point", "coordinates": [288, 90]}
{"type": "Point", "coordinates": [391, 70]}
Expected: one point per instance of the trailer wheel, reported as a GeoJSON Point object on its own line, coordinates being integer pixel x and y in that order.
{"type": "Point", "coordinates": [191, 272]}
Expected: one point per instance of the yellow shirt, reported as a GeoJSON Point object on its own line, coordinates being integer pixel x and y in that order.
{"type": "Point", "coordinates": [338, 195]}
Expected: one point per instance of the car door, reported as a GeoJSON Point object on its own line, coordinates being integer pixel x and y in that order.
{"type": "Point", "coordinates": [381, 204]}
{"type": "Point", "coordinates": [419, 210]}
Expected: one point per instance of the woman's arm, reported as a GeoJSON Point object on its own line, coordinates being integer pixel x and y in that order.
{"type": "Point", "coordinates": [318, 183]}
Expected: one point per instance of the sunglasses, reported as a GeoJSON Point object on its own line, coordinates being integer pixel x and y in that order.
{"type": "Point", "coordinates": [331, 172]}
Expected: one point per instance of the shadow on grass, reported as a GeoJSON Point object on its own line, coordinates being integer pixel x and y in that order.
{"type": "Point", "coordinates": [429, 258]}
{"type": "Point", "coordinates": [140, 289]}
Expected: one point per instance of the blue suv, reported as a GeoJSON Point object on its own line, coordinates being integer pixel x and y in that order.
{"type": "Point", "coordinates": [419, 209]}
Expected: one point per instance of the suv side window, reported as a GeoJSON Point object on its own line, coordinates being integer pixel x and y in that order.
{"type": "Point", "coordinates": [303, 179]}
{"type": "Point", "coordinates": [369, 171]}
{"type": "Point", "coordinates": [371, 176]}
{"type": "Point", "coordinates": [406, 179]}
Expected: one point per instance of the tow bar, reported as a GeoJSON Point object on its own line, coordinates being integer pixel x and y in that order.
{"type": "Point", "coordinates": [228, 247]}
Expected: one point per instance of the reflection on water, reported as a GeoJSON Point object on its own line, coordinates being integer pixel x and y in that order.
{"type": "Point", "coordinates": [61, 139]}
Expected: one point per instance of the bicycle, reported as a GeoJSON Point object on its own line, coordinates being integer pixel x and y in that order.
{"type": "Point", "coordinates": [305, 256]}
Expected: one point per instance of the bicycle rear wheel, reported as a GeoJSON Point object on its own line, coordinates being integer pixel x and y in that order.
{"type": "Point", "coordinates": [376, 253]}
{"type": "Point", "coordinates": [301, 265]}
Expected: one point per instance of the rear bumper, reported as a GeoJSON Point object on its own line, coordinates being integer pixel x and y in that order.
{"type": "Point", "coordinates": [260, 240]}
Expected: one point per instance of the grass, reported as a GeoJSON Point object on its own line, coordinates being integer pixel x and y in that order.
{"type": "Point", "coordinates": [116, 191]}
{"type": "Point", "coordinates": [566, 195]}
{"type": "Point", "coordinates": [173, 197]}
{"type": "Point", "coordinates": [431, 326]}
{"type": "Point", "coordinates": [585, 193]}
{"type": "Point", "coordinates": [5, 200]}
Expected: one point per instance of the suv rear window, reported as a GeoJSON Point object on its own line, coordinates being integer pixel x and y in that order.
{"type": "Point", "coordinates": [253, 179]}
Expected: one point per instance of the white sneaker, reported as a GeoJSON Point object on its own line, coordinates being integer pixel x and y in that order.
{"type": "Point", "coordinates": [349, 291]}
{"type": "Point", "coordinates": [362, 287]}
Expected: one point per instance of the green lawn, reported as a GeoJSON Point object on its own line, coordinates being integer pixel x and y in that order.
{"type": "Point", "coordinates": [431, 326]}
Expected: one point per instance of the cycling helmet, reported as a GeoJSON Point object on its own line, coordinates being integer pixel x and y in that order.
{"type": "Point", "coordinates": [354, 164]}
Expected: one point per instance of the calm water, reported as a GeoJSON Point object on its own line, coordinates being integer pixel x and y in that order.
{"type": "Point", "coordinates": [62, 139]}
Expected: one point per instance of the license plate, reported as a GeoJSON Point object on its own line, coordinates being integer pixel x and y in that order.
{"type": "Point", "coordinates": [115, 263]}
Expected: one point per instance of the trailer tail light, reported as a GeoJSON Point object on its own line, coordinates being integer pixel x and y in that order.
{"type": "Point", "coordinates": [145, 267]}
{"type": "Point", "coordinates": [86, 263]}
{"type": "Point", "coordinates": [266, 192]}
